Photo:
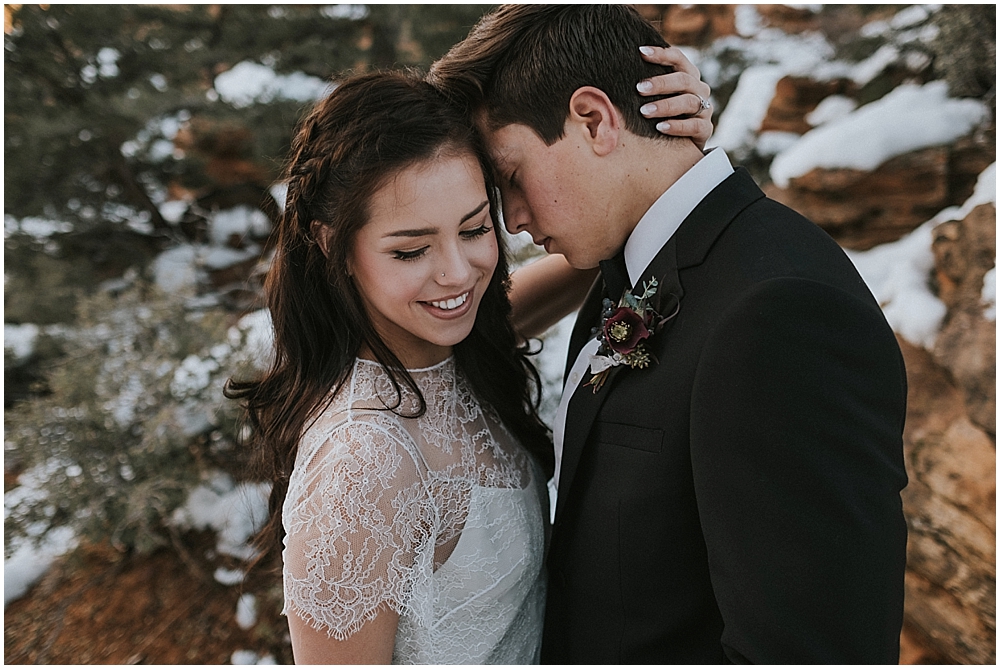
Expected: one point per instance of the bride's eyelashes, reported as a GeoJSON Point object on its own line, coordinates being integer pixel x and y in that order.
{"type": "Point", "coordinates": [409, 255]}
{"type": "Point", "coordinates": [476, 232]}
{"type": "Point", "coordinates": [414, 254]}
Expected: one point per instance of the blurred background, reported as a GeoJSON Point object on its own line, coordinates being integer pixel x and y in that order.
{"type": "Point", "coordinates": [143, 146]}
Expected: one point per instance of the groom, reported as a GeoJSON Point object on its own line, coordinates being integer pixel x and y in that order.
{"type": "Point", "coordinates": [737, 498]}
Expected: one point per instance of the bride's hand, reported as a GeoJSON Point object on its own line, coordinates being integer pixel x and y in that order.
{"type": "Point", "coordinates": [688, 113]}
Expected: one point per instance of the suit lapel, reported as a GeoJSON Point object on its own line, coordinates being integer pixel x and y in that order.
{"type": "Point", "coordinates": [687, 248]}
{"type": "Point", "coordinates": [713, 214]}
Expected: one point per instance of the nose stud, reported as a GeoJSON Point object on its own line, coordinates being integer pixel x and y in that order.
{"type": "Point", "coordinates": [442, 273]}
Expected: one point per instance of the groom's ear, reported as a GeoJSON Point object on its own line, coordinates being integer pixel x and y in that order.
{"type": "Point", "coordinates": [595, 119]}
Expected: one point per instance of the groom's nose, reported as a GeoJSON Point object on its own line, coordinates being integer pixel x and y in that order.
{"type": "Point", "coordinates": [516, 214]}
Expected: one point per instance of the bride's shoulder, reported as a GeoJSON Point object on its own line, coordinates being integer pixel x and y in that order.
{"type": "Point", "coordinates": [355, 457]}
{"type": "Point", "coordinates": [345, 431]}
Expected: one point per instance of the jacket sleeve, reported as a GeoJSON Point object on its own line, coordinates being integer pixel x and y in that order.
{"type": "Point", "coordinates": [796, 447]}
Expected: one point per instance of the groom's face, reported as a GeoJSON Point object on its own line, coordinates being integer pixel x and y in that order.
{"type": "Point", "coordinates": [549, 192]}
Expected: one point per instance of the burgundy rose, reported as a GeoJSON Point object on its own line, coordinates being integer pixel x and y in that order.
{"type": "Point", "coordinates": [623, 330]}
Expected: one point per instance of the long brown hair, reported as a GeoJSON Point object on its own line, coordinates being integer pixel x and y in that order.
{"type": "Point", "coordinates": [367, 130]}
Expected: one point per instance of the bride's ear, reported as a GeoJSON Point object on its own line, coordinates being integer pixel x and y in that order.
{"type": "Point", "coordinates": [595, 116]}
{"type": "Point", "coordinates": [321, 235]}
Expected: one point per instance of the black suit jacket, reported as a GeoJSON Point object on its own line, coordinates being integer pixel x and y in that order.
{"type": "Point", "coordinates": [738, 500]}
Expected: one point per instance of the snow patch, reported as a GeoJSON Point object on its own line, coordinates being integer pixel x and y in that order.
{"type": "Point", "coordinates": [989, 294]}
{"type": "Point", "coordinates": [193, 375]}
{"type": "Point", "coordinates": [898, 273]}
{"type": "Point", "coordinates": [246, 611]}
{"type": "Point", "coordinates": [748, 20]}
{"type": "Point", "coordinates": [256, 334]}
{"type": "Point", "coordinates": [907, 119]}
{"type": "Point", "coordinates": [235, 512]}
{"type": "Point", "coordinates": [175, 270]}
{"type": "Point", "coordinates": [773, 142]}
{"type": "Point", "coordinates": [107, 61]}
{"type": "Point", "coordinates": [248, 82]}
{"type": "Point", "coordinates": [220, 257]}
{"type": "Point", "coordinates": [250, 657]}
{"type": "Point", "coordinates": [29, 562]}
{"type": "Point", "coordinates": [349, 12]}
{"type": "Point", "coordinates": [831, 109]}
{"type": "Point", "coordinates": [20, 340]}
{"type": "Point", "coordinates": [240, 221]}
{"type": "Point", "coordinates": [32, 556]}
{"type": "Point", "coordinates": [33, 226]}
{"type": "Point", "coordinates": [173, 210]}
{"type": "Point", "coordinates": [741, 119]}
{"type": "Point", "coordinates": [228, 576]}
{"type": "Point", "coordinates": [910, 16]}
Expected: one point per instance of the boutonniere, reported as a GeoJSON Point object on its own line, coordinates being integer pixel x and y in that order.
{"type": "Point", "coordinates": [623, 332]}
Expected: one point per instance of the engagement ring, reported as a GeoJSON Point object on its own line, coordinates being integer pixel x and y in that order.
{"type": "Point", "coordinates": [705, 104]}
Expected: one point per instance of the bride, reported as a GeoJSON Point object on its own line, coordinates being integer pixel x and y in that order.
{"type": "Point", "coordinates": [398, 421]}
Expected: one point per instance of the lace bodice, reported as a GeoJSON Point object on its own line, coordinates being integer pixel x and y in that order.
{"type": "Point", "coordinates": [438, 517]}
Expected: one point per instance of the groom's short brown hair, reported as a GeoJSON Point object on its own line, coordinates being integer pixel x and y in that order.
{"type": "Point", "coordinates": [522, 63]}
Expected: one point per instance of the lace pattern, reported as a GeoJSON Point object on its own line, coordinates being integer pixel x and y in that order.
{"type": "Point", "coordinates": [438, 517]}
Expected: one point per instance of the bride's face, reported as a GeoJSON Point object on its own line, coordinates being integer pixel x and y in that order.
{"type": "Point", "coordinates": [425, 258]}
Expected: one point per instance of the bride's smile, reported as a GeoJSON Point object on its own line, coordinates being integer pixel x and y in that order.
{"type": "Point", "coordinates": [426, 256]}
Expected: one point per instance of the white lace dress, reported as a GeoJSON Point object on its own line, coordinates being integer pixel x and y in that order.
{"type": "Point", "coordinates": [440, 518]}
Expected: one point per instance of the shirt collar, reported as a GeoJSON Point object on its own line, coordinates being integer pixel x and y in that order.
{"type": "Point", "coordinates": [661, 220]}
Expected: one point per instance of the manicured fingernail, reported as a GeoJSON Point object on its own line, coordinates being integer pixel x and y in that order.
{"type": "Point", "coordinates": [647, 50]}
{"type": "Point", "coordinates": [663, 126]}
{"type": "Point", "coordinates": [644, 86]}
{"type": "Point", "coordinates": [645, 110]}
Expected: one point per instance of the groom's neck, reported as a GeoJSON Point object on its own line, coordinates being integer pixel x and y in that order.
{"type": "Point", "coordinates": [653, 166]}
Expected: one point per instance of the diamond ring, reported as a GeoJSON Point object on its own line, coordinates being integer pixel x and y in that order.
{"type": "Point", "coordinates": [705, 104]}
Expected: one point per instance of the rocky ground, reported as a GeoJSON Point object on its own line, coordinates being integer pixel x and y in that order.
{"type": "Point", "coordinates": [103, 607]}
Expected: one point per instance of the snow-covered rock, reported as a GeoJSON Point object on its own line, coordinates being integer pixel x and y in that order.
{"type": "Point", "coordinates": [909, 118]}
{"type": "Point", "coordinates": [898, 273]}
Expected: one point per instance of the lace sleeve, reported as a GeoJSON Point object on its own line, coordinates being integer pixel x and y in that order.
{"type": "Point", "coordinates": [358, 523]}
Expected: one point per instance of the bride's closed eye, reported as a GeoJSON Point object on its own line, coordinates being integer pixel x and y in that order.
{"type": "Point", "coordinates": [410, 255]}
{"type": "Point", "coordinates": [476, 232]}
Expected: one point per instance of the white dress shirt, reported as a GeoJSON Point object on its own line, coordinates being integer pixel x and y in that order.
{"type": "Point", "coordinates": [653, 230]}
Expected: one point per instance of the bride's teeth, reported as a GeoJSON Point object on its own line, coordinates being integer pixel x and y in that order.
{"type": "Point", "coordinates": [453, 303]}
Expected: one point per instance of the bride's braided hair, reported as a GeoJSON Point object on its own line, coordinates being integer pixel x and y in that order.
{"type": "Point", "coordinates": [368, 130]}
